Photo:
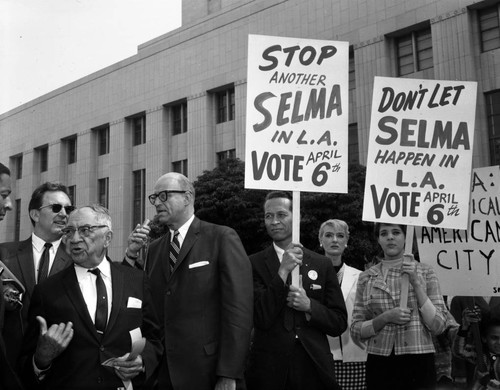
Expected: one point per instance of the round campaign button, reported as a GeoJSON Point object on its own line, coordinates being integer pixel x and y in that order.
{"type": "Point", "coordinates": [313, 275]}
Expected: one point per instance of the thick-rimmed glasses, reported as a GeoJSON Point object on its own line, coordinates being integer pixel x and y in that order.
{"type": "Point", "coordinates": [163, 195]}
{"type": "Point", "coordinates": [84, 231]}
{"type": "Point", "coordinates": [56, 208]}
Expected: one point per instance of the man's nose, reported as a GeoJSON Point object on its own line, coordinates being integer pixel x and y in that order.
{"type": "Point", "coordinates": [8, 203]}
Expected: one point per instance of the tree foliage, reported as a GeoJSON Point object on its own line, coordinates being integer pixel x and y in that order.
{"type": "Point", "coordinates": [221, 198]}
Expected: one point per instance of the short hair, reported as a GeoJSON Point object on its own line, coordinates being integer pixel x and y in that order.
{"type": "Point", "coordinates": [279, 194]}
{"type": "Point", "coordinates": [186, 184]}
{"type": "Point", "coordinates": [101, 212]}
{"type": "Point", "coordinates": [376, 228]}
{"type": "Point", "coordinates": [4, 170]}
{"type": "Point", "coordinates": [37, 196]}
{"type": "Point", "coordinates": [334, 223]}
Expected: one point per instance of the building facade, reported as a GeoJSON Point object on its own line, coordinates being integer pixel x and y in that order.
{"type": "Point", "coordinates": [179, 103]}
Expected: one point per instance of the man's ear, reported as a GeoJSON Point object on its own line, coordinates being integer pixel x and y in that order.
{"type": "Point", "coordinates": [107, 238]}
{"type": "Point", "coordinates": [35, 214]}
{"type": "Point", "coordinates": [188, 198]}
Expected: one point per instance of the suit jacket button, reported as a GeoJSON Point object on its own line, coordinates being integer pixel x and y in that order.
{"type": "Point", "coordinates": [99, 380]}
{"type": "Point", "coordinates": [169, 292]}
{"type": "Point", "coordinates": [101, 348]}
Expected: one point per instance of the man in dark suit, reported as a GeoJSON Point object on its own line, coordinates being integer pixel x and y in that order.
{"type": "Point", "coordinates": [8, 379]}
{"type": "Point", "coordinates": [87, 313]}
{"type": "Point", "coordinates": [290, 349]}
{"type": "Point", "coordinates": [203, 295]}
{"type": "Point", "coordinates": [48, 210]}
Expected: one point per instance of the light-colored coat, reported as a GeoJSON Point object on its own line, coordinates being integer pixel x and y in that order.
{"type": "Point", "coordinates": [350, 352]}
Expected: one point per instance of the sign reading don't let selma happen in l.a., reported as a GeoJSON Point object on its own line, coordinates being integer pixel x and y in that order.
{"type": "Point", "coordinates": [420, 152]}
{"type": "Point", "coordinates": [297, 114]}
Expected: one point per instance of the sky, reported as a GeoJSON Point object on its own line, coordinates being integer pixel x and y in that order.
{"type": "Point", "coordinates": [45, 44]}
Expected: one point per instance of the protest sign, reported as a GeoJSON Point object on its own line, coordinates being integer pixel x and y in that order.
{"type": "Point", "coordinates": [420, 152]}
{"type": "Point", "coordinates": [467, 262]}
{"type": "Point", "coordinates": [297, 114]}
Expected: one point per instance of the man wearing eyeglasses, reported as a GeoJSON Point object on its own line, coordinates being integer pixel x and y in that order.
{"type": "Point", "coordinates": [89, 313]}
{"type": "Point", "coordinates": [38, 257]}
{"type": "Point", "coordinates": [201, 280]}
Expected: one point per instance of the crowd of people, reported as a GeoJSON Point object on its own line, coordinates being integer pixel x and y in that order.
{"type": "Point", "coordinates": [196, 312]}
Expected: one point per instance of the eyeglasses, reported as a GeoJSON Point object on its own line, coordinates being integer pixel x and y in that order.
{"type": "Point", "coordinates": [56, 208]}
{"type": "Point", "coordinates": [83, 231]}
{"type": "Point", "coordinates": [163, 195]}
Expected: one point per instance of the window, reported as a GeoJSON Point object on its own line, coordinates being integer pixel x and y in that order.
{"type": "Point", "coordinates": [180, 166]}
{"type": "Point", "coordinates": [414, 52]}
{"type": "Point", "coordinates": [227, 154]}
{"type": "Point", "coordinates": [102, 140]}
{"type": "Point", "coordinates": [71, 149]}
{"type": "Point", "coordinates": [18, 166]}
{"type": "Point", "coordinates": [17, 228]}
{"type": "Point", "coordinates": [72, 194]}
{"type": "Point", "coordinates": [493, 113]}
{"type": "Point", "coordinates": [489, 28]}
{"type": "Point", "coordinates": [138, 130]}
{"type": "Point", "coordinates": [353, 146]}
{"type": "Point", "coordinates": [103, 192]}
{"type": "Point", "coordinates": [225, 105]}
{"type": "Point", "coordinates": [139, 192]}
{"type": "Point", "coordinates": [179, 118]}
{"type": "Point", "coordinates": [352, 74]}
{"type": "Point", "coordinates": [43, 158]}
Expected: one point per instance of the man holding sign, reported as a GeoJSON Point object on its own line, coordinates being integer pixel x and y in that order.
{"type": "Point", "coordinates": [290, 348]}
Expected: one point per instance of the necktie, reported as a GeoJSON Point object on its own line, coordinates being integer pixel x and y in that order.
{"type": "Point", "coordinates": [43, 269]}
{"type": "Point", "coordinates": [101, 311]}
{"type": "Point", "coordinates": [174, 250]}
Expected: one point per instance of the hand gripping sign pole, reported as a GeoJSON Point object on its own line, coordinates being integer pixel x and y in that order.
{"type": "Point", "coordinates": [296, 232]}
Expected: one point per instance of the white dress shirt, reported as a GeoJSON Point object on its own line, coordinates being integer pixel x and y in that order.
{"type": "Point", "coordinates": [38, 248]}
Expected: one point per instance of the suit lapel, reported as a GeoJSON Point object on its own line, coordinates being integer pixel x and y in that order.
{"type": "Point", "coordinates": [61, 260]}
{"type": "Point", "coordinates": [272, 262]}
{"type": "Point", "coordinates": [189, 240]}
{"type": "Point", "coordinates": [117, 283]}
{"type": "Point", "coordinates": [72, 288]}
{"type": "Point", "coordinates": [26, 264]}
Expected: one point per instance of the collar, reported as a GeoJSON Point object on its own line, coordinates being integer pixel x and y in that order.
{"type": "Point", "coordinates": [38, 243]}
{"type": "Point", "coordinates": [184, 228]}
{"type": "Point", "coordinates": [104, 266]}
{"type": "Point", "coordinates": [279, 252]}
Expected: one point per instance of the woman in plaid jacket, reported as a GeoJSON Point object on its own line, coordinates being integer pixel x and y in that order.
{"type": "Point", "coordinates": [399, 340]}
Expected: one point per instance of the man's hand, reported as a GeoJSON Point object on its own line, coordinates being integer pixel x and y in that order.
{"type": "Point", "coordinates": [51, 342]}
{"type": "Point", "coordinates": [297, 299]}
{"type": "Point", "coordinates": [291, 258]}
{"type": "Point", "coordinates": [225, 384]}
{"type": "Point", "coordinates": [137, 239]}
{"type": "Point", "coordinates": [128, 369]}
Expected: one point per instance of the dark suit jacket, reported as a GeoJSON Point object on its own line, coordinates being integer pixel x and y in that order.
{"type": "Point", "coordinates": [8, 379]}
{"type": "Point", "coordinates": [206, 311]}
{"type": "Point", "coordinates": [59, 299]}
{"type": "Point", "coordinates": [20, 262]}
{"type": "Point", "coordinates": [273, 343]}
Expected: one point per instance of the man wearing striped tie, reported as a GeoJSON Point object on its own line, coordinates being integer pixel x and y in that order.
{"type": "Point", "coordinates": [202, 286]}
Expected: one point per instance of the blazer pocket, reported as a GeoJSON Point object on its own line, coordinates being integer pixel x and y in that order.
{"type": "Point", "coordinates": [211, 348]}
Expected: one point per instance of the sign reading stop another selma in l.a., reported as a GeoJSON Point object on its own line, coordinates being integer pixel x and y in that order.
{"type": "Point", "coordinates": [420, 152]}
{"type": "Point", "coordinates": [297, 114]}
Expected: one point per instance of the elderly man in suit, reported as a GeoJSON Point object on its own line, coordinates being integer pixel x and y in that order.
{"type": "Point", "coordinates": [202, 286]}
{"type": "Point", "coordinates": [290, 348]}
{"type": "Point", "coordinates": [88, 313]}
{"type": "Point", "coordinates": [41, 255]}
{"type": "Point", "coordinates": [8, 379]}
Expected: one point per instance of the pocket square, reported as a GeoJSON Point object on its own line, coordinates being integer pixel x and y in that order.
{"type": "Point", "coordinates": [134, 303]}
{"type": "Point", "coordinates": [315, 287]}
{"type": "Point", "coordinates": [198, 264]}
